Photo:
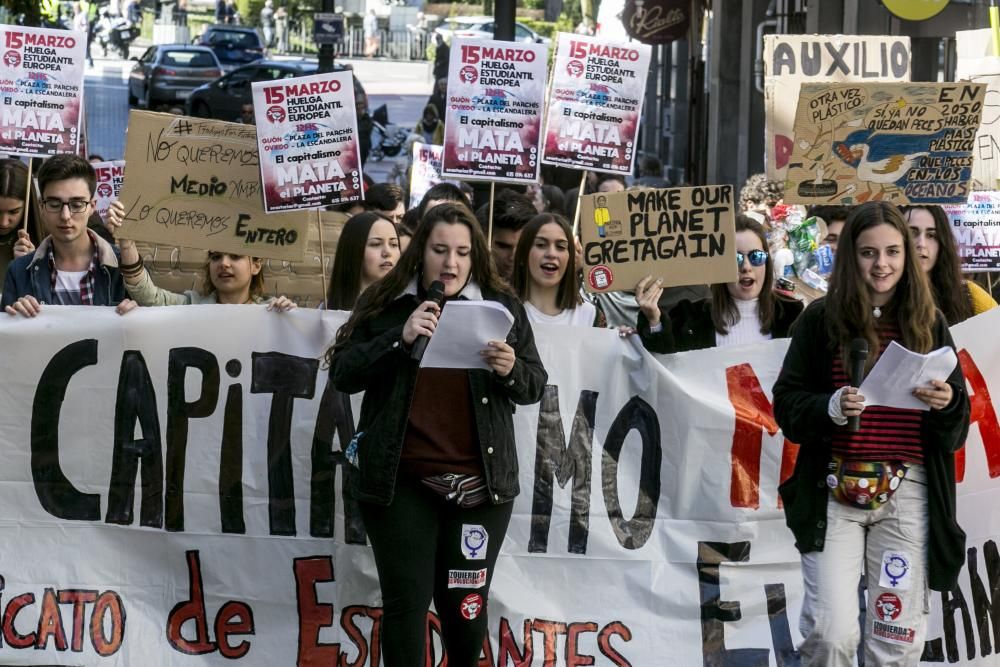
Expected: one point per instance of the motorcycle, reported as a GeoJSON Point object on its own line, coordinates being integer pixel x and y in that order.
{"type": "Point", "coordinates": [115, 33]}
{"type": "Point", "coordinates": [388, 139]}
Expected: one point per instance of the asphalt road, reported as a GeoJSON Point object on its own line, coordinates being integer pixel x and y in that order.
{"type": "Point", "coordinates": [402, 87]}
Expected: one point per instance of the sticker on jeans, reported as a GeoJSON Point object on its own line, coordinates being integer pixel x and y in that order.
{"type": "Point", "coordinates": [893, 634]}
{"type": "Point", "coordinates": [474, 541]}
{"type": "Point", "coordinates": [895, 571]}
{"type": "Point", "coordinates": [472, 606]}
{"type": "Point", "coordinates": [466, 578]}
{"type": "Point", "coordinates": [888, 606]}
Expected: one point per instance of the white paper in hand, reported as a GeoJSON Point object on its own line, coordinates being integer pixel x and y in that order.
{"type": "Point", "coordinates": [463, 332]}
{"type": "Point", "coordinates": [899, 371]}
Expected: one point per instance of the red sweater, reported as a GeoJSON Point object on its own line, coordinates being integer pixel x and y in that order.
{"type": "Point", "coordinates": [886, 434]}
{"type": "Point", "coordinates": [441, 433]}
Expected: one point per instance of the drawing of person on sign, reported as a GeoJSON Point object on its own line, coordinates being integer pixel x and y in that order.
{"type": "Point", "coordinates": [601, 215]}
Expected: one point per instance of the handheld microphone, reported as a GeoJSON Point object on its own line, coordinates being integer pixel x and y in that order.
{"type": "Point", "coordinates": [435, 293]}
{"type": "Point", "coordinates": [859, 356]}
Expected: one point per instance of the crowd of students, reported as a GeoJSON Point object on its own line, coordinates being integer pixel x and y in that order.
{"type": "Point", "coordinates": [436, 490]}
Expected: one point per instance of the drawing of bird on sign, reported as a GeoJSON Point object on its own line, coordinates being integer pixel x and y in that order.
{"type": "Point", "coordinates": [884, 160]}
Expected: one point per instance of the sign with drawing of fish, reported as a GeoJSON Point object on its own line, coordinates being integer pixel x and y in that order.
{"type": "Point", "coordinates": [907, 143]}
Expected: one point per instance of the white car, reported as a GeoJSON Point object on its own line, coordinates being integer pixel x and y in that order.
{"type": "Point", "coordinates": [482, 27]}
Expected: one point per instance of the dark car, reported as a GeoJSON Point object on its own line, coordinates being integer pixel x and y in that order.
{"type": "Point", "coordinates": [224, 98]}
{"type": "Point", "coordinates": [167, 73]}
{"type": "Point", "coordinates": [233, 45]}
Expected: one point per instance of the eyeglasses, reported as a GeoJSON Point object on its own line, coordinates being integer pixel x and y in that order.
{"type": "Point", "coordinates": [56, 205]}
{"type": "Point", "coordinates": [756, 257]}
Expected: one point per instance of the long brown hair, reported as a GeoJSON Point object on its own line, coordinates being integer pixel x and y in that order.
{"type": "Point", "coordinates": [947, 284]}
{"type": "Point", "coordinates": [848, 304]}
{"type": "Point", "coordinates": [349, 260]}
{"type": "Point", "coordinates": [256, 280]}
{"type": "Point", "coordinates": [724, 311]}
{"type": "Point", "coordinates": [410, 266]}
{"type": "Point", "coordinates": [568, 295]}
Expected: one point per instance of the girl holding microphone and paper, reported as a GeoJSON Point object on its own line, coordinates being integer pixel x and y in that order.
{"type": "Point", "coordinates": [877, 495]}
{"type": "Point", "coordinates": [434, 462]}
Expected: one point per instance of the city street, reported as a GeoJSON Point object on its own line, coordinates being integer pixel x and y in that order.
{"type": "Point", "coordinates": [402, 86]}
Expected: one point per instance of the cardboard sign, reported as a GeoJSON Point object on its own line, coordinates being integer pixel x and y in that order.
{"type": "Point", "coordinates": [595, 101]}
{"type": "Point", "coordinates": [425, 172]}
{"type": "Point", "coordinates": [906, 143]}
{"type": "Point", "coordinates": [683, 235]}
{"type": "Point", "coordinates": [791, 60]}
{"type": "Point", "coordinates": [110, 176]}
{"type": "Point", "coordinates": [307, 133]}
{"type": "Point", "coordinates": [41, 86]}
{"type": "Point", "coordinates": [977, 63]}
{"type": "Point", "coordinates": [178, 269]}
{"type": "Point", "coordinates": [195, 183]}
{"type": "Point", "coordinates": [493, 117]}
{"type": "Point", "coordinates": [976, 226]}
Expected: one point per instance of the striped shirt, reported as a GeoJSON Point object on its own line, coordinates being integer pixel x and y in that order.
{"type": "Point", "coordinates": [886, 434]}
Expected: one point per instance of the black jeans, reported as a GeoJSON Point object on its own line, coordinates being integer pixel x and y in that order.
{"type": "Point", "coordinates": [426, 547]}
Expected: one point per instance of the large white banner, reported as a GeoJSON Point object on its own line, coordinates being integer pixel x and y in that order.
{"type": "Point", "coordinates": [170, 495]}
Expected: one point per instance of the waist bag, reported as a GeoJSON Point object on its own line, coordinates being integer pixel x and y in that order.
{"type": "Point", "coordinates": [864, 485]}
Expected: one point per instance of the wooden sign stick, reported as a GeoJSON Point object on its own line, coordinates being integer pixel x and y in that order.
{"type": "Point", "coordinates": [579, 196]}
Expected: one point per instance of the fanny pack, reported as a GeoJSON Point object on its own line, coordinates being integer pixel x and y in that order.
{"type": "Point", "coordinates": [864, 485]}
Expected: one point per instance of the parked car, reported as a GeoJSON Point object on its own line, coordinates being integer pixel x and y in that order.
{"type": "Point", "coordinates": [482, 27]}
{"type": "Point", "coordinates": [223, 99]}
{"type": "Point", "coordinates": [234, 45]}
{"type": "Point", "coordinates": [167, 73]}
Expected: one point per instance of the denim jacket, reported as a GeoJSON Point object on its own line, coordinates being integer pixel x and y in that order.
{"type": "Point", "coordinates": [30, 276]}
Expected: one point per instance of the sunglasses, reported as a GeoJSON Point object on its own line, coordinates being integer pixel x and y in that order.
{"type": "Point", "coordinates": [756, 257]}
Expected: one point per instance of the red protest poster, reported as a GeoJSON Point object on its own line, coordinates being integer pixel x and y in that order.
{"type": "Point", "coordinates": [41, 87]}
{"type": "Point", "coordinates": [595, 103]}
{"type": "Point", "coordinates": [496, 93]}
{"type": "Point", "coordinates": [425, 172]}
{"type": "Point", "coordinates": [307, 134]}
{"type": "Point", "coordinates": [110, 176]}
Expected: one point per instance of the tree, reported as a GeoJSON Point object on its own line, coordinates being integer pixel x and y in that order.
{"type": "Point", "coordinates": [30, 9]}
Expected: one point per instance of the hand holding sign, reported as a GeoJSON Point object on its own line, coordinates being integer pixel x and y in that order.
{"type": "Point", "coordinates": [647, 295]}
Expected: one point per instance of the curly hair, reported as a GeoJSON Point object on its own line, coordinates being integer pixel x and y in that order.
{"type": "Point", "coordinates": [758, 190]}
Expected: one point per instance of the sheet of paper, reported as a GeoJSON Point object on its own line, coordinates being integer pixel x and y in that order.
{"type": "Point", "coordinates": [463, 331]}
{"type": "Point", "coordinates": [899, 371]}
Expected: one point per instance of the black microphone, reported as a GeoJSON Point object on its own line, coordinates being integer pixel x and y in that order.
{"type": "Point", "coordinates": [859, 356]}
{"type": "Point", "coordinates": [435, 293]}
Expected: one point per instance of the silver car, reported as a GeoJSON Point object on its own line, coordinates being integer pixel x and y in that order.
{"type": "Point", "coordinates": [167, 73]}
{"type": "Point", "coordinates": [482, 28]}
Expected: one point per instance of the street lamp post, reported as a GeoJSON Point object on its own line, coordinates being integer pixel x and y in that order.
{"type": "Point", "coordinates": [326, 50]}
{"type": "Point", "coordinates": [503, 20]}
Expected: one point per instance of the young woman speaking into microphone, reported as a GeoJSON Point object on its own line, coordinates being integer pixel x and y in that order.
{"type": "Point", "coordinates": [878, 496]}
{"type": "Point", "coordinates": [434, 459]}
